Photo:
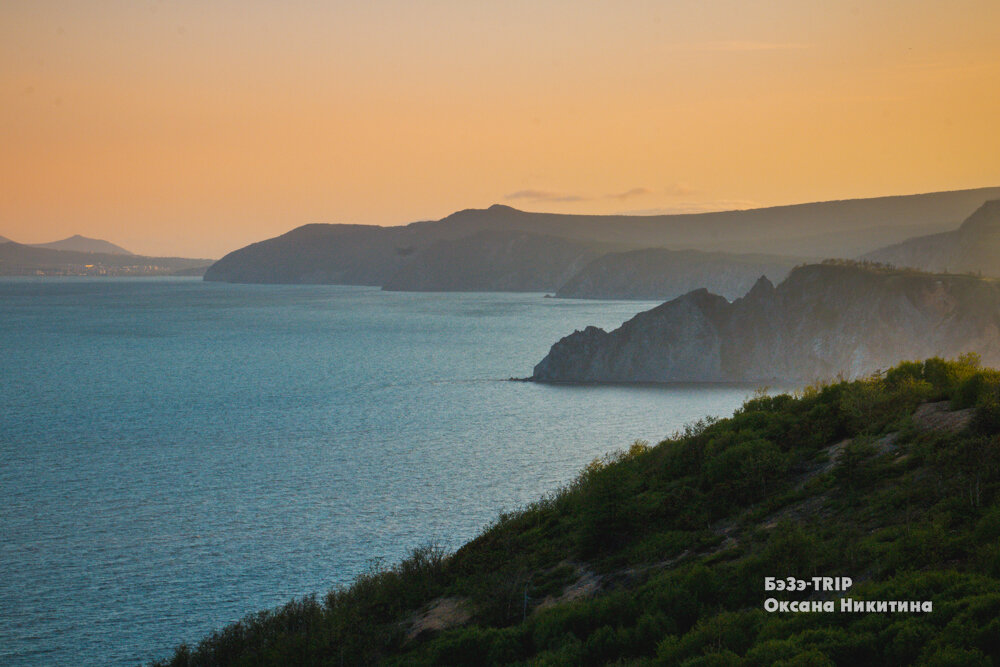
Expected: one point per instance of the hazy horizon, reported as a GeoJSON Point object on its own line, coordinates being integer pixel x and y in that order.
{"type": "Point", "coordinates": [681, 210]}
{"type": "Point", "coordinates": [190, 129]}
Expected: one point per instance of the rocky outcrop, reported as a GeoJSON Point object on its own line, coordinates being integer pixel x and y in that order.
{"type": "Point", "coordinates": [679, 341]}
{"type": "Point", "coordinates": [824, 320]}
{"type": "Point", "coordinates": [661, 274]}
{"type": "Point", "coordinates": [972, 248]}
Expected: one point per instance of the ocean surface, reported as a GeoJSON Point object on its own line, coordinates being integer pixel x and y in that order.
{"type": "Point", "coordinates": [177, 454]}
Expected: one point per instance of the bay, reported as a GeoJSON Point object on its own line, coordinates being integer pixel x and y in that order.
{"type": "Point", "coordinates": [177, 454]}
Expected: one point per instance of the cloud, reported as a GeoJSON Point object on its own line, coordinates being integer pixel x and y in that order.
{"type": "Point", "coordinates": [550, 196]}
{"type": "Point", "coordinates": [544, 195]}
{"type": "Point", "coordinates": [530, 194]}
{"type": "Point", "coordinates": [628, 194]}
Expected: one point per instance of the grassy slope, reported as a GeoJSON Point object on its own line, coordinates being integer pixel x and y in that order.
{"type": "Point", "coordinates": [666, 548]}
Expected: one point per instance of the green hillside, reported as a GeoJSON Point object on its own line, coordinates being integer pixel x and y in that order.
{"type": "Point", "coordinates": [659, 555]}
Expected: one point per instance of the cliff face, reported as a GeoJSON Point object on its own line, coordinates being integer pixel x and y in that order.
{"type": "Point", "coordinates": [973, 247]}
{"type": "Point", "coordinates": [662, 274]}
{"type": "Point", "coordinates": [823, 320]}
{"type": "Point", "coordinates": [680, 341]}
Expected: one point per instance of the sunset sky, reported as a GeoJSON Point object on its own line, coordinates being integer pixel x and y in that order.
{"type": "Point", "coordinates": [196, 127]}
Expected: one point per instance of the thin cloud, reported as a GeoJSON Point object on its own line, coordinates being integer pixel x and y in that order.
{"type": "Point", "coordinates": [530, 194]}
{"type": "Point", "coordinates": [628, 194]}
{"type": "Point", "coordinates": [534, 195]}
{"type": "Point", "coordinates": [544, 195]}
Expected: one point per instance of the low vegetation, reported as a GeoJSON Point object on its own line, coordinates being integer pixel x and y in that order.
{"type": "Point", "coordinates": [657, 555]}
{"type": "Point", "coordinates": [889, 268]}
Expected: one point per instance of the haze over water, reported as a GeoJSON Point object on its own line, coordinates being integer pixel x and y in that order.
{"type": "Point", "coordinates": [178, 454]}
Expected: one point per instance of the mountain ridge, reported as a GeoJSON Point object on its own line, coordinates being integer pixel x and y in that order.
{"type": "Point", "coordinates": [79, 243]}
{"type": "Point", "coordinates": [372, 254]}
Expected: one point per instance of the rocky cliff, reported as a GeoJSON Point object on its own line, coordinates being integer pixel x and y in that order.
{"type": "Point", "coordinates": [661, 274]}
{"type": "Point", "coordinates": [823, 320]}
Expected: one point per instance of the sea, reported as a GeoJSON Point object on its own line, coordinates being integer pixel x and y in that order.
{"type": "Point", "coordinates": [175, 454]}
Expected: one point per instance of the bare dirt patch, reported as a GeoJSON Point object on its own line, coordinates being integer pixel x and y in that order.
{"type": "Point", "coordinates": [441, 614]}
{"type": "Point", "coordinates": [940, 417]}
{"type": "Point", "coordinates": [587, 584]}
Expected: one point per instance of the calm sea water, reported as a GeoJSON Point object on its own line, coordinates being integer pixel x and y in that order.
{"type": "Point", "coordinates": [177, 454]}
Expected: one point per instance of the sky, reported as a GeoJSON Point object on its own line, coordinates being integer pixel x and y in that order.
{"type": "Point", "coordinates": [192, 128]}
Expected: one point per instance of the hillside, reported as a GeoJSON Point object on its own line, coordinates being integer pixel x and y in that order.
{"type": "Point", "coordinates": [822, 321]}
{"type": "Point", "coordinates": [658, 555]}
{"type": "Point", "coordinates": [661, 274]}
{"type": "Point", "coordinates": [77, 243]}
{"type": "Point", "coordinates": [335, 254]}
{"type": "Point", "coordinates": [494, 261]}
{"type": "Point", "coordinates": [972, 248]}
{"type": "Point", "coordinates": [372, 255]}
{"type": "Point", "coordinates": [824, 229]}
{"type": "Point", "coordinates": [23, 260]}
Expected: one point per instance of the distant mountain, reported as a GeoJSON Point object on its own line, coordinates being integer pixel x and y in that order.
{"type": "Point", "coordinates": [972, 248]}
{"type": "Point", "coordinates": [335, 254]}
{"type": "Point", "coordinates": [77, 243]}
{"type": "Point", "coordinates": [4, 239]}
{"type": "Point", "coordinates": [661, 274]}
{"type": "Point", "coordinates": [494, 261]}
{"type": "Point", "coordinates": [17, 259]}
{"type": "Point", "coordinates": [822, 321]}
{"type": "Point", "coordinates": [824, 229]}
{"type": "Point", "coordinates": [372, 255]}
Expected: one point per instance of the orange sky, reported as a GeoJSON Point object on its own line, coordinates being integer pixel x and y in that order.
{"type": "Point", "coordinates": [196, 127]}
